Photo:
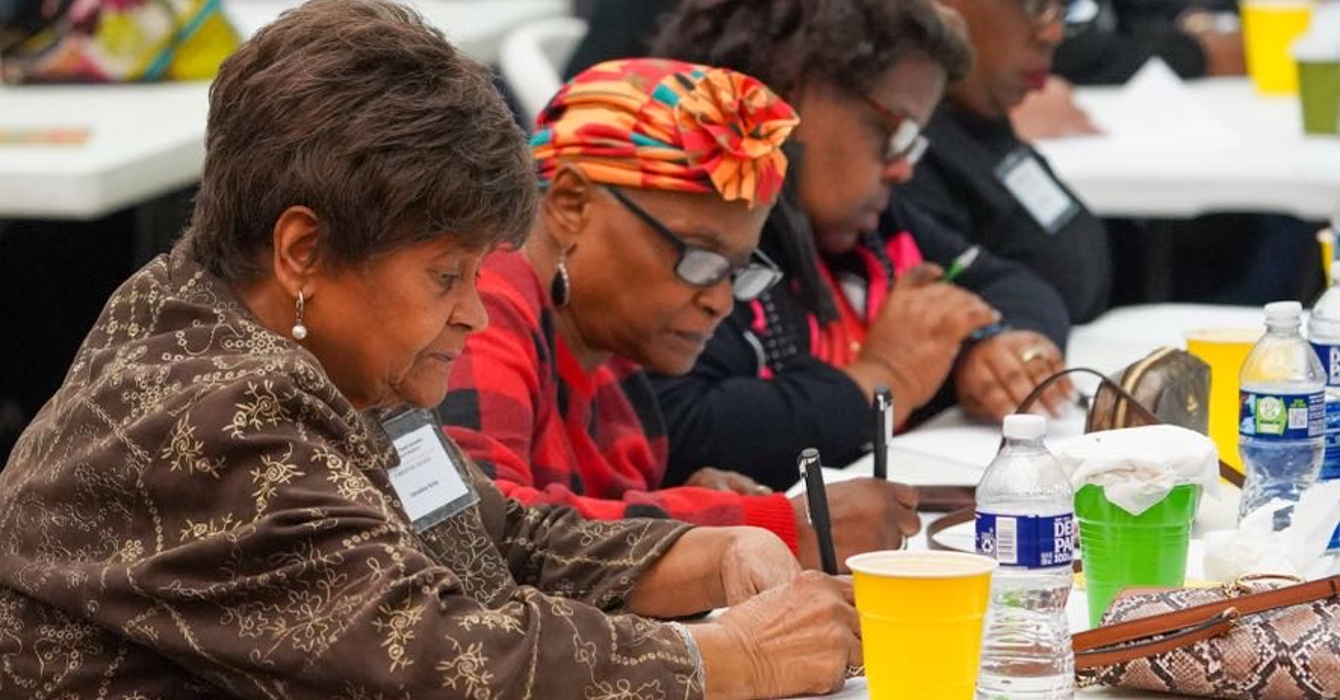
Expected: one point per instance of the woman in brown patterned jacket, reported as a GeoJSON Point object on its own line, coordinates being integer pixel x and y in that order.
{"type": "Point", "coordinates": [207, 507]}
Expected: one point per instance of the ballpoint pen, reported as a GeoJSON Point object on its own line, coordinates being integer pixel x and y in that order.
{"type": "Point", "coordinates": [961, 263]}
{"type": "Point", "coordinates": [816, 502]}
{"type": "Point", "coordinates": [883, 428]}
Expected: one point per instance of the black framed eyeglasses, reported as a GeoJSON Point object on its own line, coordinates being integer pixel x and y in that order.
{"type": "Point", "coordinates": [904, 140]}
{"type": "Point", "coordinates": [701, 267]}
{"type": "Point", "coordinates": [1044, 12]}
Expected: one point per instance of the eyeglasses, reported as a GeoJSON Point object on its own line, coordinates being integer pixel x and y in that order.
{"type": "Point", "coordinates": [905, 140]}
{"type": "Point", "coordinates": [1044, 12]}
{"type": "Point", "coordinates": [701, 267]}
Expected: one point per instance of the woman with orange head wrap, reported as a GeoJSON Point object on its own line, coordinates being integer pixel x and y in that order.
{"type": "Point", "coordinates": [657, 177]}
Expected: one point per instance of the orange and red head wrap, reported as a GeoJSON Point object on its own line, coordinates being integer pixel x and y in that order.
{"type": "Point", "coordinates": [668, 125]}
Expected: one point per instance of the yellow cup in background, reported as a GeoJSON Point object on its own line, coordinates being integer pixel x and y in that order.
{"type": "Point", "coordinates": [1326, 239]}
{"type": "Point", "coordinates": [1269, 27]}
{"type": "Point", "coordinates": [921, 621]}
{"type": "Point", "coordinates": [1224, 350]}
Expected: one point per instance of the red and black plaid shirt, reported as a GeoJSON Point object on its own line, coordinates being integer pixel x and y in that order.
{"type": "Point", "coordinates": [549, 432]}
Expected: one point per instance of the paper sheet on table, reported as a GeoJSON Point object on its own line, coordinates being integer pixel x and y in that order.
{"type": "Point", "coordinates": [953, 437]}
{"type": "Point", "coordinates": [948, 449]}
{"type": "Point", "coordinates": [906, 466]}
{"type": "Point", "coordinates": [1154, 109]}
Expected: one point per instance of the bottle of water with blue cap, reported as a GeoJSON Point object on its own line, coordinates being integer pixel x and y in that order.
{"type": "Point", "coordinates": [1026, 522]}
{"type": "Point", "coordinates": [1282, 408]}
{"type": "Point", "coordinates": [1323, 330]}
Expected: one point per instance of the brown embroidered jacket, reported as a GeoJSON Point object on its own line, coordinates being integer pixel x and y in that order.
{"type": "Point", "coordinates": [199, 513]}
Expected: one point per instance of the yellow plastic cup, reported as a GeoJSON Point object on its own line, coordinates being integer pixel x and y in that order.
{"type": "Point", "coordinates": [1326, 239]}
{"type": "Point", "coordinates": [921, 621]}
{"type": "Point", "coordinates": [1269, 28]}
{"type": "Point", "coordinates": [1224, 350]}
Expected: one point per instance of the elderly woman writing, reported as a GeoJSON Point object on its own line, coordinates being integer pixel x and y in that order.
{"type": "Point", "coordinates": [209, 508]}
{"type": "Point", "coordinates": [658, 176]}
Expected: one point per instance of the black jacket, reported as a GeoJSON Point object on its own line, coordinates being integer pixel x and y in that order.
{"type": "Point", "coordinates": [724, 414]}
{"type": "Point", "coordinates": [1107, 41]}
{"type": "Point", "coordinates": [957, 183]}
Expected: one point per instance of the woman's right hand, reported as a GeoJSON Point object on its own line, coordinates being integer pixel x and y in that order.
{"type": "Point", "coordinates": [913, 341]}
{"type": "Point", "coordinates": [795, 640]}
{"type": "Point", "coordinates": [866, 515]}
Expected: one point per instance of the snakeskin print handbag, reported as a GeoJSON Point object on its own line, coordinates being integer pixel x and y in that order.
{"type": "Point", "coordinates": [1250, 640]}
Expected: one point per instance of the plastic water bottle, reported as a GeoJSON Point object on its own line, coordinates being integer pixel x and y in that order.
{"type": "Point", "coordinates": [1323, 330]}
{"type": "Point", "coordinates": [1281, 417]}
{"type": "Point", "coordinates": [1026, 521]}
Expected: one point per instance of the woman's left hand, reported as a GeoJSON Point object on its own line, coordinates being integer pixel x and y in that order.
{"type": "Point", "coordinates": [755, 561]}
{"type": "Point", "coordinates": [996, 374]}
{"type": "Point", "coordinates": [722, 480]}
{"type": "Point", "coordinates": [1051, 113]}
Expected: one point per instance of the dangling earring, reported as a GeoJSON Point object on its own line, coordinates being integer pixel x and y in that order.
{"type": "Point", "coordinates": [299, 330]}
{"type": "Point", "coordinates": [561, 288]}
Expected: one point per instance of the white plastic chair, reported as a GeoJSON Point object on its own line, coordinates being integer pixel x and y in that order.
{"type": "Point", "coordinates": [532, 57]}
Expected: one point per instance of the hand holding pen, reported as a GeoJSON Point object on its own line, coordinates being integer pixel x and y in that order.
{"type": "Point", "coordinates": [858, 515]}
{"type": "Point", "coordinates": [957, 267]}
{"type": "Point", "coordinates": [911, 344]}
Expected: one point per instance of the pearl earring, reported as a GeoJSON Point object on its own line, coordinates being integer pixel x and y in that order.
{"type": "Point", "coordinates": [299, 330]}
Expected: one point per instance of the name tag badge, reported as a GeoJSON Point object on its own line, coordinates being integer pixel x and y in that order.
{"type": "Point", "coordinates": [429, 482]}
{"type": "Point", "coordinates": [1037, 190]}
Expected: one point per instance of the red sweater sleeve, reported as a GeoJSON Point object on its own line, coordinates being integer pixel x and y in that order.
{"type": "Point", "coordinates": [700, 506]}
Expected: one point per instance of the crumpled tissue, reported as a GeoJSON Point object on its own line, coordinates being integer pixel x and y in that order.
{"type": "Point", "coordinates": [1137, 467]}
{"type": "Point", "coordinates": [1294, 551]}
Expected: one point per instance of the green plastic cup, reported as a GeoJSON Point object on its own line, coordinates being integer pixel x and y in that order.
{"type": "Point", "coordinates": [1319, 91]}
{"type": "Point", "coordinates": [1121, 550]}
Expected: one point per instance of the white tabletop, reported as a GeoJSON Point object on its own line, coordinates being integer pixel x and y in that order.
{"type": "Point", "coordinates": [1250, 156]}
{"type": "Point", "coordinates": [145, 140]}
{"type": "Point", "coordinates": [954, 449]}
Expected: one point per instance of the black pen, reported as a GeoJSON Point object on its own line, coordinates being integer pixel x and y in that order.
{"type": "Point", "coordinates": [883, 428]}
{"type": "Point", "coordinates": [816, 502]}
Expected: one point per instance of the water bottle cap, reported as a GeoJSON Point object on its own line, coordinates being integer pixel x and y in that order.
{"type": "Point", "coordinates": [1024, 426]}
{"type": "Point", "coordinates": [1283, 311]}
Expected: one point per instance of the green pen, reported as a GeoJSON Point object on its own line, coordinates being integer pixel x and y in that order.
{"type": "Point", "coordinates": [961, 263]}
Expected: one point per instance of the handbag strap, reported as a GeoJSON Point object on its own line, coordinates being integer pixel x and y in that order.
{"type": "Point", "coordinates": [946, 521]}
{"type": "Point", "coordinates": [1226, 472]}
{"type": "Point", "coordinates": [1135, 639]}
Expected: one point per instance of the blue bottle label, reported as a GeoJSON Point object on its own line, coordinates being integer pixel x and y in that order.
{"type": "Point", "coordinates": [1281, 416]}
{"type": "Point", "coordinates": [1330, 465]}
{"type": "Point", "coordinates": [1330, 361]}
{"type": "Point", "coordinates": [1027, 541]}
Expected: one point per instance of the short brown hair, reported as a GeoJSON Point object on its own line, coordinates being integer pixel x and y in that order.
{"type": "Point", "coordinates": [845, 43]}
{"type": "Point", "coordinates": [362, 112]}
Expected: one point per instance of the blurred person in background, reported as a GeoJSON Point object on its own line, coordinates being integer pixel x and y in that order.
{"type": "Point", "coordinates": [981, 178]}
{"type": "Point", "coordinates": [860, 307]}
